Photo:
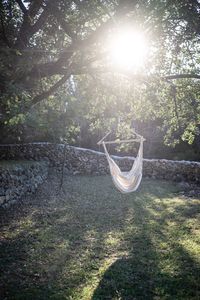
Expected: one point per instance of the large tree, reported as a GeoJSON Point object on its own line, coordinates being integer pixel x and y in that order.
{"type": "Point", "coordinates": [44, 43]}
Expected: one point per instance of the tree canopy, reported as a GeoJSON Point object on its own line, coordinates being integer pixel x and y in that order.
{"type": "Point", "coordinates": [56, 67]}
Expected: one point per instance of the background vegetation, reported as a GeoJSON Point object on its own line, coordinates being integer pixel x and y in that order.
{"type": "Point", "coordinates": [57, 82]}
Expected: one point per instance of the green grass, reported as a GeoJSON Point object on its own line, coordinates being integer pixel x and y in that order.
{"type": "Point", "coordinates": [91, 242]}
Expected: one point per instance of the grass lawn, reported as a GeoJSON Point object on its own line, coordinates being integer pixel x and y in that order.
{"type": "Point", "coordinates": [91, 242]}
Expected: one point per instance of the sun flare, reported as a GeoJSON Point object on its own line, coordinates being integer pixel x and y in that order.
{"type": "Point", "coordinates": [128, 49]}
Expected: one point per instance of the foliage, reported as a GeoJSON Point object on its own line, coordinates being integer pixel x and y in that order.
{"type": "Point", "coordinates": [57, 50]}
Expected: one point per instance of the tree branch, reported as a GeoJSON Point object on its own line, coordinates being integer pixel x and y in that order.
{"type": "Point", "coordinates": [181, 76]}
{"type": "Point", "coordinates": [40, 22]}
{"type": "Point", "coordinates": [27, 30]}
{"type": "Point", "coordinates": [53, 68]}
{"type": "Point", "coordinates": [166, 77]}
{"type": "Point", "coordinates": [34, 7]}
{"type": "Point", "coordinates": [49, 69]}
{"type": "Point", "coordinates": [22, 7]}
{"type": "Point", "coordinates": [73, 70]}
{"type": "Point", "coordinates": [4, 37]}
{"type": "Point", "coordinates": [50, 91]}
{"type": "Point", "coordinates": [61, 20]}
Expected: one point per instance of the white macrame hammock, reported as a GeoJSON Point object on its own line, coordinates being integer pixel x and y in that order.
{"type": "Point", "coordinates": [126, 182]}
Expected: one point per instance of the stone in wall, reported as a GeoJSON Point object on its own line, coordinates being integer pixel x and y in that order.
{"type": "Point", "coordinates": [20, 178]}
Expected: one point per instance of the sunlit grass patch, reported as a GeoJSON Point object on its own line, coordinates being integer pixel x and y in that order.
{"type": "Point", "coordinates": [91, 242]}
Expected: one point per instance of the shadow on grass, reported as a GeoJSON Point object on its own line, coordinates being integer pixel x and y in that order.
{"type": "Point", "coordinates": [140, 276]}
{"type": "Point", "coordinates": [157, 266]}
{"type": "Point", "coordinates": [55, 247]}
{"type": "Point", "coordinates": [130, 277]}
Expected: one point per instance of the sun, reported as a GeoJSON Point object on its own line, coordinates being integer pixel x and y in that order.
{"type": "Point", "coordinates": [128, 49]}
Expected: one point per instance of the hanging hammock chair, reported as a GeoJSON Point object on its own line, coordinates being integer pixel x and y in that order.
{"type": "Point", "coordinates": [125, 182]}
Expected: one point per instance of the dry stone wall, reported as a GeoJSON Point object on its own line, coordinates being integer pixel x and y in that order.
{"type": "Point", "coordinates": [84, 161]}
{"type": "Point", "coordinates": [18, 179]}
